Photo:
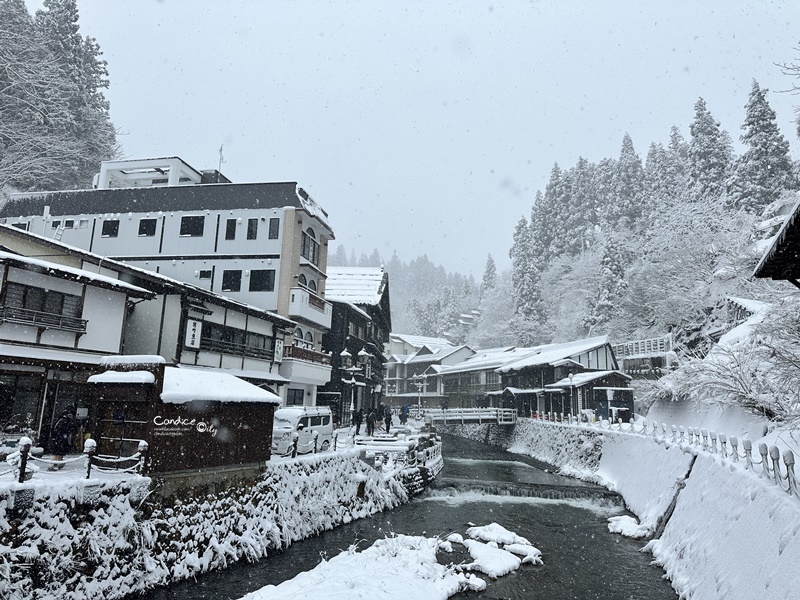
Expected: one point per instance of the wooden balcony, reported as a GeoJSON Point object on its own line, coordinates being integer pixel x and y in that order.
{"type": "Point", "coordinates": [36, 318]}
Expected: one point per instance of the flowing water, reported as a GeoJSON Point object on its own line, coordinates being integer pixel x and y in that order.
{"type": "Point", "coordinates": [566, 519]}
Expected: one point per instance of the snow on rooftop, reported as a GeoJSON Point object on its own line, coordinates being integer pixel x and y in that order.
{"type": "Point", "coordinates": [186, 385]}
{"type": "Point", "coordinates": [582, 378]}
{"type": "Point", "coordinates": [355, 285]}
{"type": "Point", "coordinates": [133, 359]}
{"type": "Point", "coordinates": [56, 269]}
{"type": "Point", "coordinates": [545, 355]}
{"type": "Point", "coordinates": [123, 377]}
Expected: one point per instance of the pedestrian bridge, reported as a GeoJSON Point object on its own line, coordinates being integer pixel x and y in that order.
{"type": "Point", "coordinates": [453, 416]}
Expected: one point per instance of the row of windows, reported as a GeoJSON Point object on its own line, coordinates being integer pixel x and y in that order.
{"type": "Point", "coordinates": [261, 280]}
{"type": "Point", "coordinates": [69, 224]}
{"type": "Point", "coordinates": [191, 226]}
{"type": "Point", "coordinates": [41, 300]}
{"type": "Point", "coordinates": [235, 341]}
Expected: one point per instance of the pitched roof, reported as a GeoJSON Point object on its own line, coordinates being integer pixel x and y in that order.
{"type": "Point", "coordinates": [550, 353]}
{"type": "Point", "coordinates": [356, 285]}
{"type": "Point", "coordinates": [782, 260]}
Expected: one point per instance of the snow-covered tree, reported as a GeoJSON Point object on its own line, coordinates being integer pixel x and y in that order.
{"type": "Point", "coordinates": [611, 289]}
{"type": "Point", "coordinates": [765, 170]}
{"type": "Point", "coordinates": [489, 276]}
{"type": "Point", "coordinates": [710, 154]}
{"type": "Point", "coordinates": [628, 185]}
{"type": "Point", "coordinates": [524, 274]}
{"type": "Point", "coordinates": [80, 63]}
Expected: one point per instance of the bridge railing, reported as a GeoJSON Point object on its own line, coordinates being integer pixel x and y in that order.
{"type": "Point", "coordinates": [501, 416]}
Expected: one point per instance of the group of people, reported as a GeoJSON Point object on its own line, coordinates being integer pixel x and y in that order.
{"type": "Point", "coordinates": [377, 418]}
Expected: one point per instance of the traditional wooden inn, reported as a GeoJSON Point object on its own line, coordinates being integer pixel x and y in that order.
{"type": "Point", "coordinates": [360, 327]}
{"type": "Point", "coordinates": [554, 378]}
{"type": "Point", "coordinates": [204, 337]}
{"type": "Point", "coordinates": [413, 367]}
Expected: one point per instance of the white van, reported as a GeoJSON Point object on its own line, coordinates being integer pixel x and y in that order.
{"type": "Point", "coordinates": [304, 421]}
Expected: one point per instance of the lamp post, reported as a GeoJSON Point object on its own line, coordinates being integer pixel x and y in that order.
{"type": "Point", "coordinates": [419, 383]}
{"type": "Point", "coordinates": [570, 390]}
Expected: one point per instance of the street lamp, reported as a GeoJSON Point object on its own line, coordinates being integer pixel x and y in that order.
{"type": "Point", "coordinates": [419, 383]}
{"type": "Point", "coordinates": [570, 390]}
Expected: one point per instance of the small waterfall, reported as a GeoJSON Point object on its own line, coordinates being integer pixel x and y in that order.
{"type": "Point", "coordinates": [530, 490]}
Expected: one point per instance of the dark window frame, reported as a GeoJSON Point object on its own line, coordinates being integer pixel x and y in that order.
{"type": "Point", "coordinates": [232, 280]}
{"type": "Point", "coordinates": [230, 229]}
{"type": "Point", "coordinates": [147, 227]}
{"type": "Point", "coordinates": [262, 280]}
{"type": "Point", "coordinates": [110, 228]}
{"type": "Point", "coordinates": [274, 228]}
{"type": "Point", "coordinates": [189, 225]}
{"type": "Point", "coordinates": [252, 229]}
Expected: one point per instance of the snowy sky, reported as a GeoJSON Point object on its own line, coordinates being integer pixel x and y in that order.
{"type": "Point", "coordinates": [411, 121]}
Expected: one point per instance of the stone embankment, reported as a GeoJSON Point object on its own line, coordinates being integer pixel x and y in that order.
{"type": "Point", "coordinates": [96, 539]}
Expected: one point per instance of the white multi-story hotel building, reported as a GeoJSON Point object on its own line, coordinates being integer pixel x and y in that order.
{"type": "Point", "coordinates": [262, 244]}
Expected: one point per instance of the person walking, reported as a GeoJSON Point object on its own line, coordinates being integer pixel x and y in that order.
{"type": "Point", "coordinates": [404, 414]}
{"type": "Point", "coordinates": [387, 418]}
{"type": "Point", "coordinates": [61, 438]}
{"type": "Point", "coordinates": [357, 419]}
{"type": "Point", "coordinates": [371, 422]}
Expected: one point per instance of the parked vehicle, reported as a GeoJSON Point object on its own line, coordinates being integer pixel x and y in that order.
{"type": "Point", "coordinates": [304, 421]}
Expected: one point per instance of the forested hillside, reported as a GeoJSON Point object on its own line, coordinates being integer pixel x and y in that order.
{"type": "Point", "coordinates": [54, 120]}
{"type": "Point", "coordinates": [626, 246]}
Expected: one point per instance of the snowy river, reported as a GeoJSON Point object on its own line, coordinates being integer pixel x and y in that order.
{"type": "Point", "coordinates": [565, 519]}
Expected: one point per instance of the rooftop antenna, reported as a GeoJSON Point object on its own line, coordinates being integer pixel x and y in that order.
{"type": "Point", "coordinates": [221, 160]}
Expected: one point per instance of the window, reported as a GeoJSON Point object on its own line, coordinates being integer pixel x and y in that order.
{"type": "Point", "coordinates": [231, 281]}
{"type": "Point", "coordinates": [309, 247]}
{"type": "Point", "coordinates": [192, 226]}
{"type": "Point", "coordinates": [274, 226]}
{"type": "Point", "coordinates": [262, 280]}
{"type": "Point", "coordinates": [294, 397]}
{"type": "Point", "coordinates": [110, 228]}
{"type": "Point", "coordinates": [312, 285]}
{"type": "Point", "coordinates": [83, 224]}
{"type": "Point", "coordinates": [55, 224]}
{"type": "Point", "coordinates": [23, 226]}
{"type": "Point", "coordinates": [147, 227]}
{"type": "Point", "coordinates": [205, 274]}
{"type": "Point", "coordinates": [309, 337]}
{"type": "Point", "coordinates": [252, 229]}
{"type": "Point", "coordinates": [69, 224]}
{"type": "Point", "coordinates": [237, 342]}
{"type": "Point", "coordinates": [302, 279]}
{"type": "Point", "coordinates": [42, 300]}
{"type": "Point", "coordinates": [298, 334]}
{"type": "Point", "coordinates": [230, 229]}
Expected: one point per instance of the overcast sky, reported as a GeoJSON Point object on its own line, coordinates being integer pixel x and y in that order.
{"type": "Point", "coordinates": [427, 127]}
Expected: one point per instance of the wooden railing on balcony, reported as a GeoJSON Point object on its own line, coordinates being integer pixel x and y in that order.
{"type": "Point", "coordinates": [37, 318]}
{"type": "Point", "coordinates": [300, 353]}
{"type": "Point", "coordinates": [316, 302]}
{"type": "Point", "coordinates": [235, 349]}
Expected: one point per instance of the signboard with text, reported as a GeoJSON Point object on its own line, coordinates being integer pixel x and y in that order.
{"type": "Point", "coordinates": [194, 330]}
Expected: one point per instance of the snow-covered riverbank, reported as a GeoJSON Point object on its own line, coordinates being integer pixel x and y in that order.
{"type": "Point", "coordinates": [723, 531]}
{"type": "Point", "coordinates": [80, 539]}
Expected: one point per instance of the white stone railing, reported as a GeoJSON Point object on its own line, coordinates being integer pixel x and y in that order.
{"type": "Point", "coordinates": [693, 439]}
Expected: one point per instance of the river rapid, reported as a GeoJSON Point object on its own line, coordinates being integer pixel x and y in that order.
{"type": "Point", "coordinates": [480, 485]}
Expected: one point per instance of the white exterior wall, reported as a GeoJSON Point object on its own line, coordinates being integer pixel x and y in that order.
{"type": "Point", "coordinates": [103, 309]}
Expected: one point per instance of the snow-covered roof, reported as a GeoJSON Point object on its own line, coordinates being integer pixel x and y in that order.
{"type": "Point", "coordinates": [186, 385]}
{"type": "Point", "coordinates": [49, 354]}
{"type": "Point", "coordinates": [355, 285]}
{"type": "Point", "coordinates": [780, 261]}
{"type": "Point", "coordinates": [133, 359]}
{"type": "Point", "coordinates": [580, 379]}
{"type": "Point", "coordinates": [550, 353]}
{"type": "Point", "coordinates": [418, 341]}
{"type": "Point", "coordinates": [243, 373]}
{"type": "Point", "coordinates": [72, 273]}
{"type": "Point", "coordinates": [123, 377]}
{"type": "Point", "coordinates": [487, 360]}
